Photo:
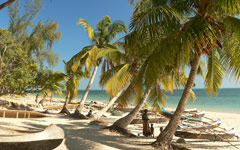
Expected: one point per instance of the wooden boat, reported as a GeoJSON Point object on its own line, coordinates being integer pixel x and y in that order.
{"type": "Point", "coordinates": [207, 125]}
{"type": "Point", "coordinates": [151, 120]}
{"type": "Point", "coordinates": [169, 115]}
{"type": "Point", "coordinates": [60, 106]}
{"type": "Point", "coordinates": [20, 114]}
{"type": "Point", "coordinates": [47, 139]}
{"type": "Point", "coordinates": [221, 136]}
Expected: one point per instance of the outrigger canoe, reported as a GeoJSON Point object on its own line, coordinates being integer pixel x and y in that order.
{"type": "Point", "coordinates": [221, 136]}
{"type": "Point", "coordinates": [207, 125]}
{"type": "Point", "coordinates": [47, 139]}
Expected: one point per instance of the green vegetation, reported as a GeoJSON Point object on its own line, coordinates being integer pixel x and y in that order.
{"type": "Point", "coordinates": [16, 72]}
{"type": "Point", "coordinates": [24, 53]}
{"type": "Point", "coordinates": [49, 82]}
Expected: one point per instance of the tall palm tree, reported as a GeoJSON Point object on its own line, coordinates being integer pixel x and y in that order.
{"type": "Point", "coordinates": [203, 26]}
{"type": "Point", "coordinates": [102, 39]}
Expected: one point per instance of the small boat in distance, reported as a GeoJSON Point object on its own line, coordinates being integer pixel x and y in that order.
{"type": "Point", "coordinates": [47, 139]}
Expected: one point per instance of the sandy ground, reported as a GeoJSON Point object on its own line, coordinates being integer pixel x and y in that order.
{"type": "Point", "coordinates": [80, 135]}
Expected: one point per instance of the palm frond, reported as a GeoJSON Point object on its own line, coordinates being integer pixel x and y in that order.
{"type": "Point", "coordinates": [113, 55]}
{"type": "Point", "coordinates": [232, 25]}
{"type": "Point", "coordinates": [119, 81]}
{"type": "Point", "coordinates": [229, 7]}
{"type": "Point", "coordinates": [107, 75]}
{"type": "Point", "coordinates": [214, 75]}
{"type": "Point", "coordinates": [230, 57]}
{"type": "Point", "coordinates": [153, 13]}
{"type": "Point", "coordinates": [157, 96]}
{"type": "Point", "coordinates": [201, 68]}
{"type": "Point", "coordinates": [92, 58]}
{"type": "Point", "coordinates": [116, 28]}
{"type": "Point", "coordinates": [102, 25]}
{"type": "Point", "coordinates": [78, 60]}
{"type": "Point", "coordinates": [87, 27]}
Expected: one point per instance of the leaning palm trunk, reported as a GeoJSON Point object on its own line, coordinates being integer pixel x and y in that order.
{"type": "Point", "coordinates": [122, 123]}
{"type": "Point", "coordinates": [65, 109]}
{"type": "Point", "coordinates": [84, 97]}
{"type": "Point", "coordinates": [165, 137]}
{"type": "Point", "coordinates": [51, 97]}
{"type": "Point", "coordinates": [98, 114]}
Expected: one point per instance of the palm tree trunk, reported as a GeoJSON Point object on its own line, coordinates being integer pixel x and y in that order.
{"type": "Point", "coordinates": [122, 123]}
{"type": "Point", "coordinates": [51, 97]}
{"type": "Point", "coordinates": [165, 137]}
{"type": "Point", "coordinates": [65, 109]}
{"type": "Point", "coordinates": [36, 100]}
{"type": "Point", "coordinates": [84, 97]}
{"type": "Point", "coordinates": [98, 114]}
{"type": "Point", "coordinates": [7, 3]}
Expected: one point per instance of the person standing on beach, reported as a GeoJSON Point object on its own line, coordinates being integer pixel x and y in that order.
{"type": "Point", "coordinates": [145, 123]}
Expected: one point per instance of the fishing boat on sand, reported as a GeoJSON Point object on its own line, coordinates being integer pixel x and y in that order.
{"type": "Point", "coordinates": [212, 136]}
{"type": "Point", "coordinates": [169, 115]}
{"type": "Point", "coordinates": [48, 139]}
{"type": "Point", "coordinates": [206, 125]}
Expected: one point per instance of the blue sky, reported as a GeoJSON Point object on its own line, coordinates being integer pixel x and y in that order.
{"type": "Point", "coordinates": [74, 37]}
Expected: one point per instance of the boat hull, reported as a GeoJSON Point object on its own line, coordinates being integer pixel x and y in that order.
{"type": "Point", "coordinates": [209, 136]}
{"type": "Point", "coordinates": [47, 139]}
{"type": "Point", "coordinates": [31, 145]}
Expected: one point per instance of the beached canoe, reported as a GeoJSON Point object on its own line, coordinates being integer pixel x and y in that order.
{"type": "Point", "coordinates": [20, 114]}
{"type": "Point", "coordinates": [60, 106]}
{"type": "Point", "coordinates": [47, 139]}
{"type": "Point", "coordinates": [207, 125]}
{"type": "Point", "coordinates": [151, 120]}
{"type": "Point", "coordinates": [200, 135]}
{"type": "Point", "coordinates": [169, 115]}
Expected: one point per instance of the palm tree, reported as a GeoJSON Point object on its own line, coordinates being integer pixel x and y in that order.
{"type": "Point", "coordinates": [202, 28]}
{"type": "Point", "coordinates": [101, 39]}
{"type": "Point", "coordinates": [120, 80]}
{"type": "Point", "coordinates": [155, 93]}
{"type": "Point", "coordinates": [135, 66]}
{"type": "Point", "coordinates": [49, 82]}
{"type": "Point", "coordinates": [72, 85]}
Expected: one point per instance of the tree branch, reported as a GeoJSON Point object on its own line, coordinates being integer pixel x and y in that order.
{"type": "Point", "coordinates": [9, 2]}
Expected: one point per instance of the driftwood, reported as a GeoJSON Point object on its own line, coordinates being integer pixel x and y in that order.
{"type": "Point", "coordinates": [209, 136]}
{"type": "Point", "coordinates": [151, 120]}
{"type": "Point", "coordinates": [20, 114]}
{"type": "Point", "coordinates": [47, 139]}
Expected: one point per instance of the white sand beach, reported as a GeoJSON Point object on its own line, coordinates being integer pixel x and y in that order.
{"type": "Point", "coordinates": [79, 135]}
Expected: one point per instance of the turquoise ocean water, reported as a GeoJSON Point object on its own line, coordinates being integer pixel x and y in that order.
{"type": "Point", "coordinates": [228, 100]}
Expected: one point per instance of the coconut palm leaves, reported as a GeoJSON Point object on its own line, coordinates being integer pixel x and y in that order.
{"type": "Point", "coordinates": [215, 73]}
{"type": "Point", "coordinates": [88, 28]}
{"type": "Point", "coordinates": [49, 82]}
{"type": "Point", "coordinates": [101, 39]}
